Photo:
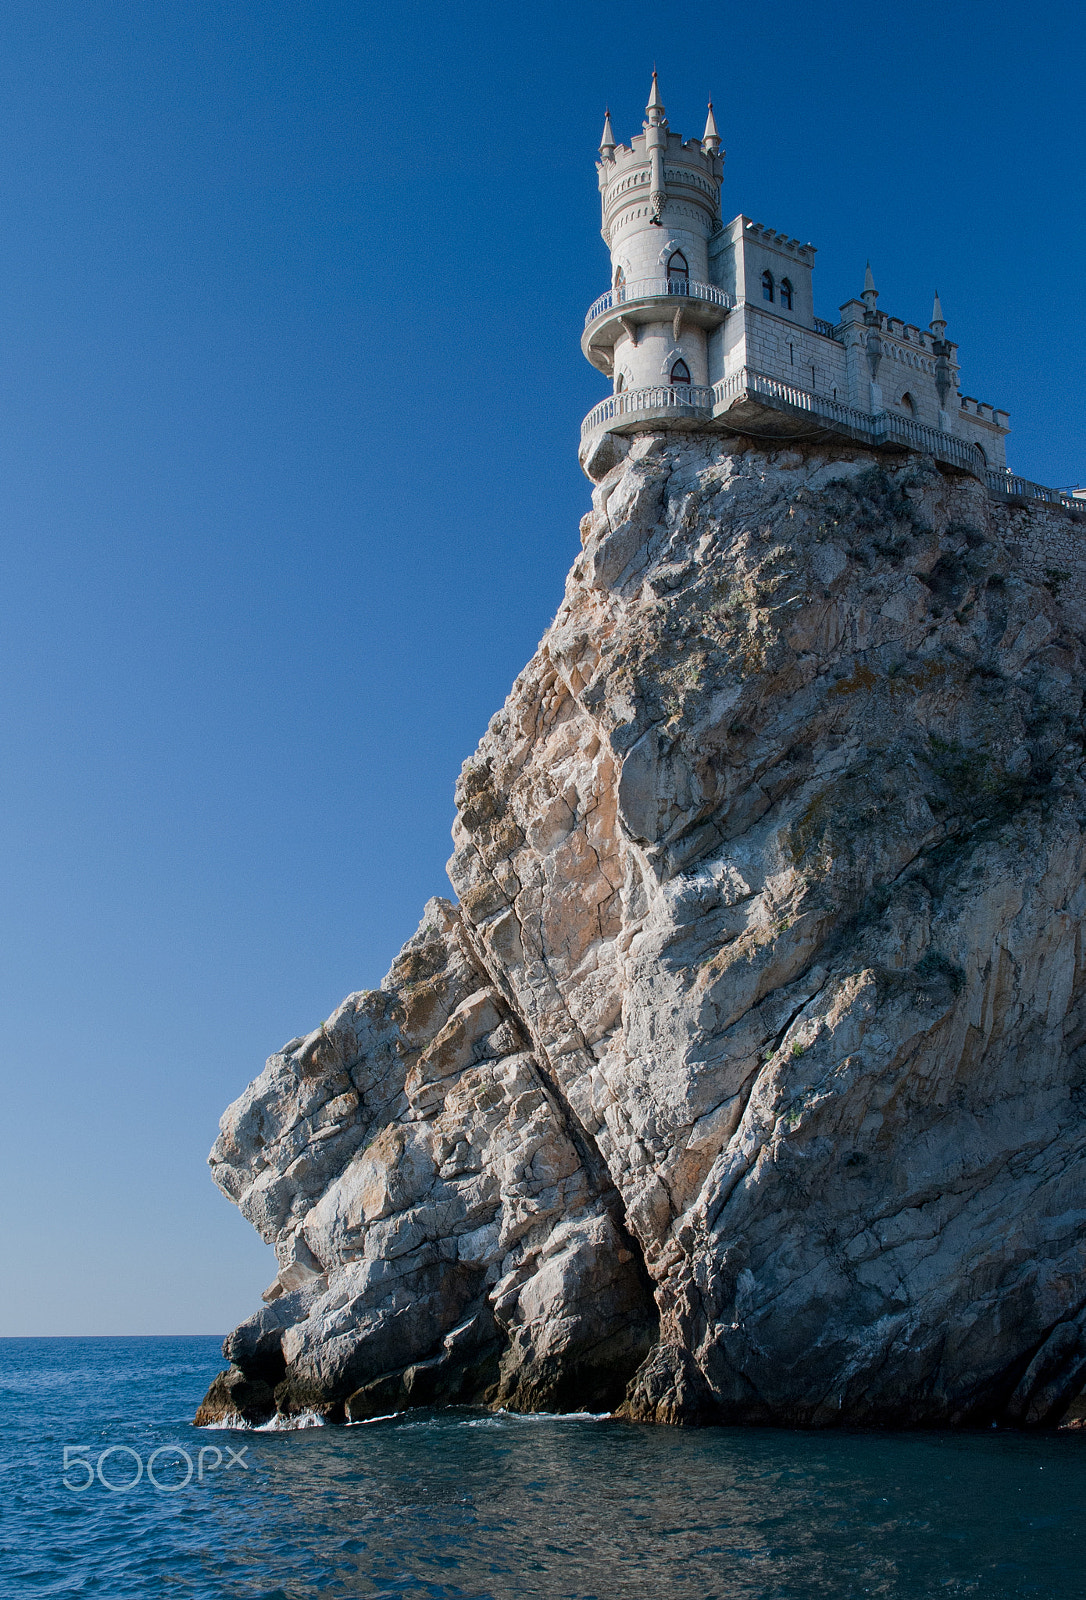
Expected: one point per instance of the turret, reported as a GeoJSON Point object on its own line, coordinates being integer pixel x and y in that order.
{"type": "Point", "coordinates": [607, 138]}
{"type": "Point", "coordinates": [944, 380]}
{"type": "Point", "coordinates": [710, 139]}
{"type": "Point", "coordinates": [660, 197]}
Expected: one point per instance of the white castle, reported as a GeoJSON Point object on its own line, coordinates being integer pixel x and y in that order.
{"type": "Point", "coordinates": [712, 325]}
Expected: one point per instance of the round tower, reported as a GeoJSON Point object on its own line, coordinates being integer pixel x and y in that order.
{"type": "Point", "coordinates": [661, 203]}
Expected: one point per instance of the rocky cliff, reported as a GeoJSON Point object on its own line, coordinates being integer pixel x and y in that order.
{"type": "Point", "coordinates": [747, 1078]}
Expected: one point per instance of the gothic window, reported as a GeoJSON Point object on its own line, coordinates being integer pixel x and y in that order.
{"type": "Point", "coordinates": [678, 273]}
{"type": "Point", "coordinates": [907, 403]}
{"type": "Point", "coordinates": [786, 294]}
{"type": "Point", "coordinates": [767, 286]}
{"type": "Point", "coordinates": [680, 372]}
{"type": "Point", "coordinates": [620, 383]}
{"type": "Point", "coordinates": [620, 284]}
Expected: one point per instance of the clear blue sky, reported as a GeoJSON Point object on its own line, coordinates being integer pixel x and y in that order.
{"type": "Point", "coordinates": [290, 298]}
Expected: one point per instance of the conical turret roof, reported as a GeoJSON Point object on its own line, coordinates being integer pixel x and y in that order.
{"type": "Point", "coordinates": [607, 138]}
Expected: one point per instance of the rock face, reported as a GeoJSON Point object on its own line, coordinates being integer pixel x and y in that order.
{"type": "Point", "coordinates": [747, 1079]}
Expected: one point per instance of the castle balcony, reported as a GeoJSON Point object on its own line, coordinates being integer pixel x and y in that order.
{"type": "Point", "coordinates": [666, 405]}
{"type": "Point", "coordinates": [631, 305]}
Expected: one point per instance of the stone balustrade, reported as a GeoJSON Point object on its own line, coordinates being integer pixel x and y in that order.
{"type": "Point", "coordinates": [1005, 483]}
{"type": "Point", "coordinates": [706, 403]}
{"type": "Point", "coordinates": [658, 289]}
{"type": "Point", "coordinates": [686, 399]}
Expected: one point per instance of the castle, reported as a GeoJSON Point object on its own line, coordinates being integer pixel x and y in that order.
{"type": "Point", "coordinates": [710, 325]}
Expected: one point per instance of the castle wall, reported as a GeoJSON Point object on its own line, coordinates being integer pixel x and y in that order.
{"type": "Point", "coordinates": [793, 354]}
{"type": "Point", "coordinates": [971, 423]}
{"type": "Point", "coordinates": [1050, 543]}
{"type": "Point", "coordinates": [907, 369]}
{"type": "Point", "coordinates": [649, 362]}
{"type": "Point", "coordinates": [744, 250]}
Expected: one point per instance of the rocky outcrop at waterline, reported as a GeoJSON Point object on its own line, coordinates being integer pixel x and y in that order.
{"type": "Point", "coordinates": [746, 1079]}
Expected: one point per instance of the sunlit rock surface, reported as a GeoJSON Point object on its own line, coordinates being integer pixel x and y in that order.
{"type": "Point", "coordinates": [745, 1081]}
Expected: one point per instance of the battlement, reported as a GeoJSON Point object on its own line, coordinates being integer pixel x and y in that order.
{"type": "Point", "coordinates": [780, 241]}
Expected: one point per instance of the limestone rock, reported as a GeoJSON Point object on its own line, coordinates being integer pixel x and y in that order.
{"type": "Point", "coordinates": [746, 1079]}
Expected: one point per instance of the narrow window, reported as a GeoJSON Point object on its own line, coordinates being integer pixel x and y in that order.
{"type": "Point", "coordinates": [620, 383]}
{"type": "Point", "coordinates": [786, 294]}
{"type": "Point", "coordinates": [620, 285]}
{"type": "Point", "coordinates": [680, 372]}
{"type": "Point", "coordinates": [678, 273]}
{"type": "Point", "coordinates": [907, 403]}
{"type": "Point", "coordinates": [791, 355]}
{"type": "Point", "coordinates": [767, 286]}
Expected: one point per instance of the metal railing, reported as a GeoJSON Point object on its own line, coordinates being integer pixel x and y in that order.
{"type": "Point", "coordinates": [689, 399]}
{"type": "Point", "coordinates": [658, 289]}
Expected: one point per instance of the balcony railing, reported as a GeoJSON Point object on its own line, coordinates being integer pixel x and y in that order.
{"type": "Point", "coordinates": [692, 400]}
{"type": "Point", "coordinates": [878, 429]}
{"type": "Point", "coordinates": [946, 446]}
{"type": "Point", "coordinates": [1001, 480]}
{"type": "Point", "coordinates": [686, 398]}
{"type": "Point", "coordinates": [747, 381]}
{"type": "Point", "coordinates": [829, 329]}
{"type": "Point", "coordinates": [658, 289]}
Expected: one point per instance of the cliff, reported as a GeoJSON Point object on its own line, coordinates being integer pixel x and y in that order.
{"type": "Point", "coordinates": [745, 1081]}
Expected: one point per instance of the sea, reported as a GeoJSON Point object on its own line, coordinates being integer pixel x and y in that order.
{"type": "Point", "coordinates": [107, 1489]}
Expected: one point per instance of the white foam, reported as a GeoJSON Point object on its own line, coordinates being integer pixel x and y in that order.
{"type": "Point", "coordinates": [303, 1419]}
{"type": "Point", "coordinates": [501, 1415]}
{"type": "Point", "coordinates": [232, 1422]}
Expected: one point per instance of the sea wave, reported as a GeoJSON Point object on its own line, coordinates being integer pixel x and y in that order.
{"type": "Point", "coordinates": [232, 1422]}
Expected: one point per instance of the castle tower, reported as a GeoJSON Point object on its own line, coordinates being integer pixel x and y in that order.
{"type": "Point", "coordinates": [660, 198]}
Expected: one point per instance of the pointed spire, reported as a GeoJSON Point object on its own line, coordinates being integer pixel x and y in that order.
{"type": "Point", "coordinates": [869, 281]}
{"type": "Point", "coordinates": [710, 139]}
{"type": "Point", "coordinates": [655, 103]}
{"type": "Point", "coordinates": [607, 138]}
{"type": "Point", "coordinates": [938, 321]}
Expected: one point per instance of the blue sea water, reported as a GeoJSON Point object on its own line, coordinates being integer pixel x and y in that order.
{"type": "Point", "coordinates": [462, 1505]}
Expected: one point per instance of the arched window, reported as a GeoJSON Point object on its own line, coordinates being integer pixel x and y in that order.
{"type": "Point", "coordinates": [620, 383]}
{"type": "Point", "coordinates": [786, 294]}
{"type": "Point", "coordinates": [907, 403]}
{"type": "Point", "coordinates": [620, 285]}
{"type": "Point", "coordinates": [767, 286]}
{"type": "Point", "coordinates": [680, 372]}
{"type": "Point", "coordinates": [678, 273]}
